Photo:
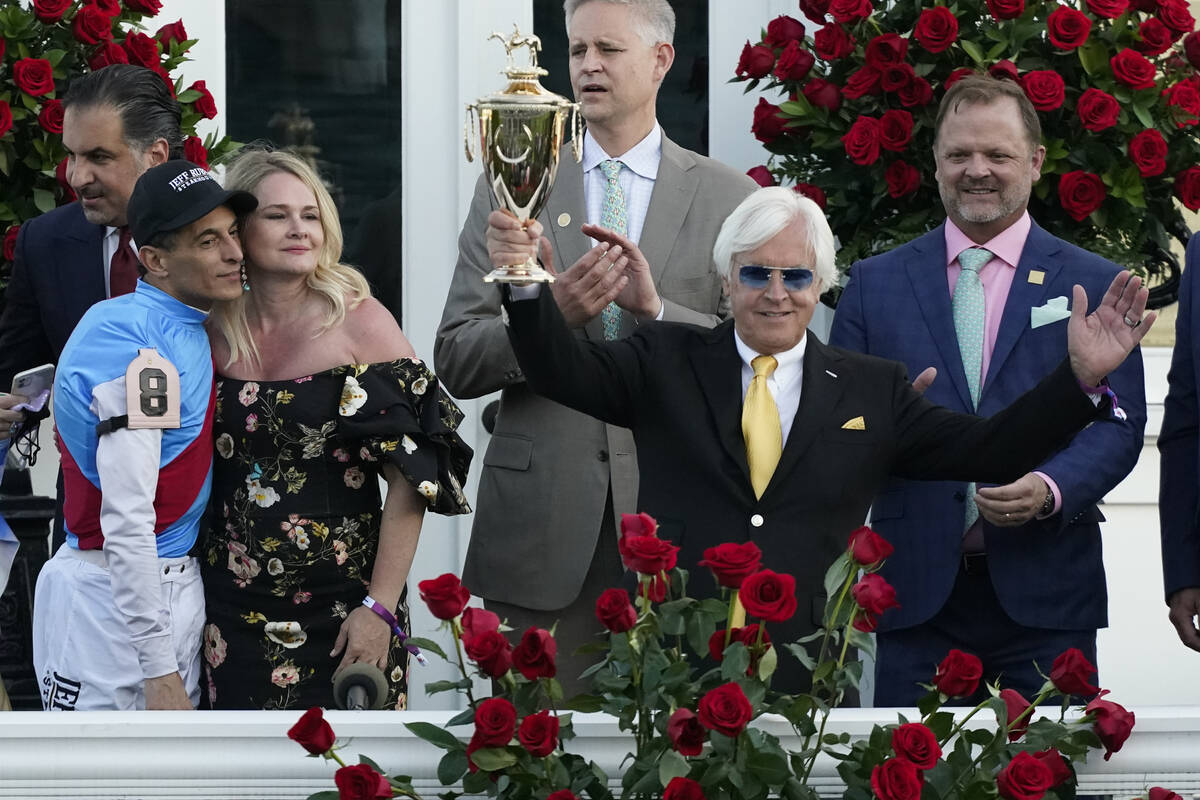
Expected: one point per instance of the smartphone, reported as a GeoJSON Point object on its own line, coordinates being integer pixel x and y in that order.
{"type": "Point", "coordinates": [33, 382]}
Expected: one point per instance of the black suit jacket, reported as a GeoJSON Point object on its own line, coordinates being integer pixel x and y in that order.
{"type": "Point", "coordinates": [678, 387]}
{"type": "Point", "coordinates": [58, 274]}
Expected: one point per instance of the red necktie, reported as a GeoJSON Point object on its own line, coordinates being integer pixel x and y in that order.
{"type": "Point", "coordinates": [123, 269]}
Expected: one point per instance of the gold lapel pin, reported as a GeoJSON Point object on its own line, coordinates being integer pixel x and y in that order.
{"type": "Point", "coordinates": [856, 424]}
{"type": "Point", "coordinates": [1037, 276]}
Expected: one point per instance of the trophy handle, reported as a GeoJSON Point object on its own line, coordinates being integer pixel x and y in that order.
{"type": "Point", "coordinates": [470, 128]}
{"type": "Point", "coordinates": [576, 132]}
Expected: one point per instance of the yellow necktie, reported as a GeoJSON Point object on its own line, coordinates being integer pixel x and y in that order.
{"type": "Point", "coordinates": [760, 426]}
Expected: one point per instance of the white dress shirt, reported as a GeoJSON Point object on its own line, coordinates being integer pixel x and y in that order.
{"type": "Point", "coordinates": [784, 383]}
{"type": "Point", "coordinates": [637, 179]}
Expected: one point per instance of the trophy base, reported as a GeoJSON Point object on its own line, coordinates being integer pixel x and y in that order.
{"type": "Point", "coordinates": [522, 273]}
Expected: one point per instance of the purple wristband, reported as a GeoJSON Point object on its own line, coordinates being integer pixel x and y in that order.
{"type": "Point", "coordinates": [394, 624]}
{"type": "Point", "coordinates": [1106, 391]}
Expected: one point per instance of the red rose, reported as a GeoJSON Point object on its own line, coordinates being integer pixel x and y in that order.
{"type": "Point", "coordinates": [204, 105]}
{"type": "Point", "coordinates": [1004, 70]}
{"type": "Point", "coordinates": [896, 779]}
{"type": "Point", "coordinates": [1023, 778]}
{"type": "Point", "coordinates": [1185, 95]}
{"type": "Point", "coordinates": [657, 590]}
{"type": "Point", "coordinates": [495, 721]}
{"type": "Point", "coordinates": [110, 8]}
{"type": "Point", "coordinates": [1044, 88]}
{"type": "Point", "coordinates": [1187, 188]}
{"type": "Point", "coordinates": [91, 25]}
{"type": "Point", "coordinates": [686, 733]}
{"type": "Point", "coordinates": [10, 241]}
{"type": "Point", "coordinates": [173, 32]}
{"type": "Point", "coordinates": [958, 675]}
{"type": "Point", "coordinates": [1080, 193]}
{"type": "Point", "coordinates": [725, 709]}
{"type": "Point", "coordinates": [1071, 670]}
{"type": "Point", "coordinates": [33, 76]}
{"type": "Point", "coordinates": [680, 788]}
{"type": "Point", "coordinates": [491, 652]}
{"type": "Point", "coordinates": [814, 193]}
{"type": "Point", "coordinates": [867, 547]}
{"type": "Point", "coordinates": [916, 744]}
{"type": "Point", "coordinates": [815, 10]}
{"type": "Point", "coordinates": [1159, 793]}
{"type": "Point", "coordinates": [1006, 9]}
{"type": "Point", "coordinates": [823, 94]}
{"type": "Point", "coordinates": [311, 731]}
{"type": "Point", "coordinates": [1191, 48]}
{"type": "Point", "coordinates": [794, 62]}
{"type": "Point", "coordinates": [1154, 38]}
{"type": "Point", "coordinates": [614, 610]}
{"type": "Point", "coordinates": [756, 61]}
{"type": "Point", "coordinates": [936, 29]}
{"type": "Point", "coordinates": [648, 555]}
{"type": "Point", "coordinates": [147, 7]}
{"type": "Point", "coordinates": [761, 175]}
{"type": "Point", "coordinates": [50, 11]}
{"type": "Point", "coordinates": [476, 621]}
{"type": "Point", "coordinates": [1176, 16]}
{"type": "Point", "coordinates": [833, 42]}
{"type": "Point", "coordinates": [1068, 28]}
{"type": "Point", "coordinates": [746, 635]}
{"type": "Point", "coordinates": [1097, 110]}
{"type": "Point", "coordinates": [768, 124]}
{"type": "Point", "coordinates": [539, 734]}
{"type": "Point", "coordinates": [782, 30]}
{"type": "Point", "coordinates": [894, 77]}
{"type": "Point", "coordinates": [902, 179]}
{"type": "Point", "coordinates": [1109, 9]}
{"type": "Point", "coordinates": [1060, 771]}
{"type": "Point", "coordinates": [768, 595]}
{"type": "Point", "coordinates": [887, 48]}
{"type": "Point", "coordinates": [1113, 722]}
{"type": "Point", "coordinates": [895, 130]}
{"type": "Point", "coordinates": [445, 595]}
{"type": "Point", "coordinates": [361, 782]}
{"type": "Point", "coordinates": [562, 794]}
{"type": "Point", "coordinates": [534, 656]}
{"type": "Point", "coordinates": [1015, 705]}
{"type": "Point", "coordinates": [866, 622]}
{"type": "Point", "coordinates": [142, 50]}
{"type": "Point", "coordinates": [863, 81]}
{"type": "Point", "coordinates": [1133, 69]}
{"type": "Point", "coordinates": [51, 116]}
{"type": "Point", "coordinates": [917, 93]}
{"type": "Point", "coordinates": [862, 140]}
{"type": "Point", "coordinates": [640, 524]}
{"type": "Point", "coordinates": [732, 562]}
{"type": "Point", "coordinates": [847, 11]}
{"type": "Point", "coordinates": [107, 53]}
{"type": "Point", "coordinates": [60, 175]}
{"type": "Point", "coordinates": [956, 76]}
{"type": "Point", "coordinates": [874, 594]}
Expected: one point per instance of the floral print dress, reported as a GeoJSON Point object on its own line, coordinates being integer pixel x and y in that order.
{"type": "Point", "coordinates": [296, 509]}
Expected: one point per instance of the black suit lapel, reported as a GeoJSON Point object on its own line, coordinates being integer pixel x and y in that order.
{"type": "Point", "coordinates": [821, 390]}
{"type": "Point", "coordinates": [718, 370]}
{"type": "Point", "coordinates": [79, 258]}
{"type": "Point", "coordinates": [926, 267]}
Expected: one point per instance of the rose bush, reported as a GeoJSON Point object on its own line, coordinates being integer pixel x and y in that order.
{"type": "Point", "coordinates": [43, 44]}
{"type": "Point", "coordinates": [1115, 86]}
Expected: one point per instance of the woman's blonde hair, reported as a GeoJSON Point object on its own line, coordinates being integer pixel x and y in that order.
{"type": "Point", "coordinates": [342, 286]}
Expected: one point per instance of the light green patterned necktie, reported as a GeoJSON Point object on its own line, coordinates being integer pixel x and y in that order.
{"type": "Point", "coordinates": [615, 217]}
{"type": "Point", "coordinates": [968, 325]}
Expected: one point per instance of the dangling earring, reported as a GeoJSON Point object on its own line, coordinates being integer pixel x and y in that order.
{"type": "Point", "coordinates": [245, 280]}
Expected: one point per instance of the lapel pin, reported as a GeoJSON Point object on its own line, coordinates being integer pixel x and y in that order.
{"type": "Point", "coordinates": [564, 219]}
{"type": "Point", "coordinates": [1037, 276]}
{"type": "Point", "coordinates": [856, 424]}
{"type": "Point", "coordinates": [831, 374]}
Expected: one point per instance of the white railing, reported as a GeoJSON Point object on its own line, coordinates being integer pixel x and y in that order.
{"type": "Point", "coordinates": [246, 754]}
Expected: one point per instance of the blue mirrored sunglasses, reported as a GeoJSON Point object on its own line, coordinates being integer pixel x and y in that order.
{"type": "Point", "coordinates": [795, 279]}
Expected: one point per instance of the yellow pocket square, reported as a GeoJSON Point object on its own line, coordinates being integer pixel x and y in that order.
{"type": "Point", "coordinates": [856, 424]}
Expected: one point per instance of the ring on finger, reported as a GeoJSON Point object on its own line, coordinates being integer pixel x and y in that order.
{"type": "Point", "coordinates": [1131, 323]}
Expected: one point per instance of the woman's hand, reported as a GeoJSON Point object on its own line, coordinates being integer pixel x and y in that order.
{"type": "Point", "coordinates": [365, 637]}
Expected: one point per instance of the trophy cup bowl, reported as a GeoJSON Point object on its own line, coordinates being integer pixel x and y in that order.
{"type": "Point", "coordinates": [520, 132]}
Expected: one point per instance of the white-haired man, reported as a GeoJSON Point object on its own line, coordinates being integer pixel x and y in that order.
{"type": "Point", "coordinates": [754, 430]}
{"type": "Point", "coordinates": [555, 482]}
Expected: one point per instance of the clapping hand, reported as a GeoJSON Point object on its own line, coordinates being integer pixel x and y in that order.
{"type": "Point", "coordinates": [1097, 343]}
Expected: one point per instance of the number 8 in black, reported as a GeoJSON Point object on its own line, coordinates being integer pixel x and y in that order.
{"type": "Point", "coordinates": [153, 384]}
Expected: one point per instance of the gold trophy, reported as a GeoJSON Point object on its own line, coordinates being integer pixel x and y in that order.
{"type": "Point", "coordinates": [520, 132]}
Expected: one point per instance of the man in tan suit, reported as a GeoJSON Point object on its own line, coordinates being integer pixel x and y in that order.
{"type": "Point", "coordinates": [555, 481]}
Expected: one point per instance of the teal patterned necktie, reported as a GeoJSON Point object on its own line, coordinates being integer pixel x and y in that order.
{"type": "Point", "coordinates": [615, 217]}
{"type": "Point", "coordinates": [968, 325]}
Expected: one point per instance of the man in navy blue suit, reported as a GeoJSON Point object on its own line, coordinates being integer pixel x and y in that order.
{"type": "Point", "coordinates": [1013, 574]}
{"type": "Point", "coordinates": [118, 122]}
{"type": "Point", "coordinates": [1179, 446]}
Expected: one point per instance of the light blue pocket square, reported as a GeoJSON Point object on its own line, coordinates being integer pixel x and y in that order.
{"type": "Point", "coordinates": [1054, 310]}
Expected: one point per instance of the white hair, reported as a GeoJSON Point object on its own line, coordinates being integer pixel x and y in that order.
{"type": "Point", "coordinates": [761, 217]}
{"type": "Point", "coordinates": [655, 18]}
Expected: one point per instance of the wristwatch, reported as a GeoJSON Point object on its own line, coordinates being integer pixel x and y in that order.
{"type": "Point", "coordinates": [1047, 505]}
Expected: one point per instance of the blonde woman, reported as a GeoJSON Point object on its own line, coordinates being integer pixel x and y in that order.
{"type": "Point", "coordinates": [318, 393]}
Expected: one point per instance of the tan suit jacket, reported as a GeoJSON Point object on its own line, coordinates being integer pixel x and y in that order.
{"type": "Point", "coordinates": [547, 469]}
